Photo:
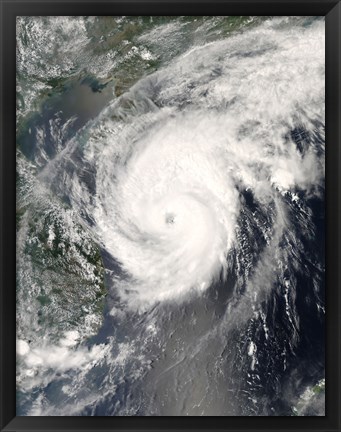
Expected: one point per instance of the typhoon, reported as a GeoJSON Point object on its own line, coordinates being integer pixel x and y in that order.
{"type": "Point", "coordinates": [215, 123]}
{"type": "Point", "coordinates": [203, 186]}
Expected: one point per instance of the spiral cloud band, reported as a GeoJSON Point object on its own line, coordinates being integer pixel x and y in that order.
{"type": "Point", "coordinates": [173, 155]}
{"type": "Point", "coordinates": [173, 212]}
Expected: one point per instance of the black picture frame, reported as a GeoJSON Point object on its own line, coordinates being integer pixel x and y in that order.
{"type": "Point", "coordinates": [9, 9]}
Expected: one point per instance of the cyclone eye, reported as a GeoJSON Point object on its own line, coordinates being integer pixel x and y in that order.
{"type": "Point", "coordinates": [170, 218]}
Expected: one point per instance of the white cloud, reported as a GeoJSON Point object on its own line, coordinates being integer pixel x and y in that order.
{"type": "Point", "coordinates": [167, 181]}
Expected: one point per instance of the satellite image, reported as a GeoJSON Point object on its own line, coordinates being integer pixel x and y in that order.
{"type": "Point", "coordinates": [170, 216]}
